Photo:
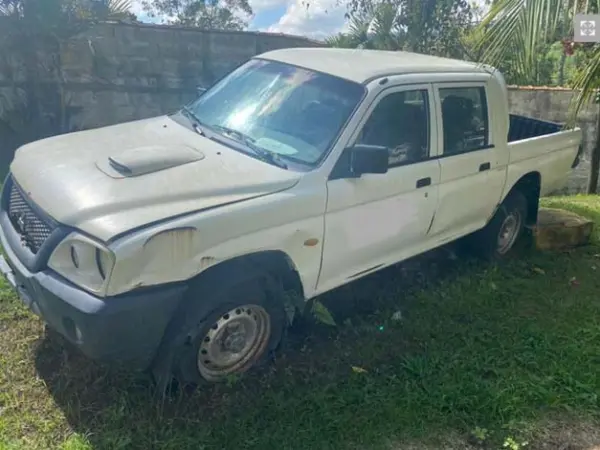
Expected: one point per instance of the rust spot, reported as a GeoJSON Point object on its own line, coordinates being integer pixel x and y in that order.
{"type": "Point", "coordinates": [171, 232]}
{"type": "Point", "coordinates": [207, 261]}
{"type": "Point", "coordinates": [311, 242]}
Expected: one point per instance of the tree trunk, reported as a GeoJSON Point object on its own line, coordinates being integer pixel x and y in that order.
{"type": "Point", "coordinates": [592, 187]}
{"type": "Point", "coordinates": [561, 69]}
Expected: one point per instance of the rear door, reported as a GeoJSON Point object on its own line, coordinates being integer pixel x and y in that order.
{"type": "Point", "coordinates": [472, 168]}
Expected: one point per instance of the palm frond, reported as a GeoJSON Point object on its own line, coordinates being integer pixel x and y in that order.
{"type": "Point", "coordinates": [587, 83]}
{"type": "Point", "coordinates": [514, 29]}
{"type": "Point", "coordinates": [384, 29]}
{"type": "Point", "coordinates": [119, 6]}
{"type": "Point", "coordinates": [118, 9]}
{"type": "Point", "coordinates": [10, 7]}
{"type": "Point", "coordinates": [358, 29]}
{"type": "Point", "coordinates": [340, 40]}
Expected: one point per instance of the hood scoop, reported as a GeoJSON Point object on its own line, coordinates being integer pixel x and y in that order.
{"type": "Point", "coordinates": [144, 160]}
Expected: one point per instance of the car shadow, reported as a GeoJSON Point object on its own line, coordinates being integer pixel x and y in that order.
{"type": "Point", "coordinates": [115, 408]}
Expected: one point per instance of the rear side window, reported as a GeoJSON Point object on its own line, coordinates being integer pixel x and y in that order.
{"type": "Point", "coordinates": [465, 119]}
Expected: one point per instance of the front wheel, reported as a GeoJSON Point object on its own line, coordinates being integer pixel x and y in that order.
{"type": "Point", "coordinates": [229, 323]}
{"type": "Point", "coordinates": [235, 341]}
{"type": "Point", "coordinates": [502, 232]}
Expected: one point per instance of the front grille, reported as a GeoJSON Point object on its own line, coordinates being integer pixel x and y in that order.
{"type": "Point", "coordinates": [33, 229]}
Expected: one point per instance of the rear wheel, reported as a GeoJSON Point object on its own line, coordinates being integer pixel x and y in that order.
{"type": "Point", "coordinates": [230, 322]}
{"type": "Point", "coordinates": [500, 235]}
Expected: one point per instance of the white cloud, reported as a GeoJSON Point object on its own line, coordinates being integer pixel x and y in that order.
{"type": "Point", "coordinates": [137, 8]}
{"type": "Point", "coordinates": [257, 5]}
{"type": "Point", "coordinates": [314, 18]}
{"type": "Point", "coordinates": [261, 5]}
{"type": "Point", "coordinates": [142, 16]}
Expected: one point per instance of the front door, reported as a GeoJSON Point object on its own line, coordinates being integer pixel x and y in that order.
{"type": "Point", "coordinates": [378, 219]}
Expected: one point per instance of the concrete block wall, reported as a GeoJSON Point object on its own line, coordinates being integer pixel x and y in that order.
{"type": "Point", "coordinates": [119, 72]}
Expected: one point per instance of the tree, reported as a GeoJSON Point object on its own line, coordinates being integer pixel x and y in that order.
{"type": "Point", "coordinates": [423, 26]}
{"type": "Point", "coordinates": [206, 14]}
{"type": "Point", "coordinates": [375, 27]}
{"type": "Point", "coordinates": [54, 13]}
{"type": "Point", "coordinates": [516, 30]}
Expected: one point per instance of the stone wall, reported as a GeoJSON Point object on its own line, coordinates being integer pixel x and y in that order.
{"type": "Point", "coordinates": [119, 72]}
{"type": "Point", "coordinates": [553, 104]}
{"type": "Point", "coordinates": [125, 72]}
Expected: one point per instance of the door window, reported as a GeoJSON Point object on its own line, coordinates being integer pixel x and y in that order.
{"type": "Point", "coordinates": [400, 122]}
{"type": "Point", "coordinates": [465, 119]}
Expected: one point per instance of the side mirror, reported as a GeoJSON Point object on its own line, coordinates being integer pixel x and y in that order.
{"type": "Point", "coordinates": [368, 159]}
{"type": "Point", "coordinates": [200, 90]}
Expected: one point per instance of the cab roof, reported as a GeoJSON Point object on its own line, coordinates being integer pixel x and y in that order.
{"type": "Point", "coordinates": [362, 66]}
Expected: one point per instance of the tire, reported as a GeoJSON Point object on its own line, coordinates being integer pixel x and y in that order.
{"type": "Point", "coordinates": [230, 321]}
{"type": "Point", "coordinates": [499, 236]}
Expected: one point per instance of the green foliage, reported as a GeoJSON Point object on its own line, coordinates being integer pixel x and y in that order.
{"type": "Point", "coordinates": [480, 435]}
{"type": "Point", "coordinates": [505, 348]}
{"type": "Point", "coordinates": [53, 14]}
{"type": "Point", "coordinates": [511, 444]}
{"type": "Point", "coordinates": [206, 14]}
{"type": "Point", "coordinates": [523, 38]}
{"type": "Point", "coordinates": [434, 27]}
{"type": "Point", "coordinates": [322, 314]}
{"type": "Point", "coordinates": [373, 27]}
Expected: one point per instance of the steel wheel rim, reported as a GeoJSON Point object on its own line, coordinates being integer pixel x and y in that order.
{"type": "Point", "coordinates": [234, 342]}
{"type": "Point", "coordinates": [509, 231]}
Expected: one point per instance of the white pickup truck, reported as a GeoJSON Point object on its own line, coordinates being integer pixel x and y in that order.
{"type": "Point", "coordinates": [178, 243]}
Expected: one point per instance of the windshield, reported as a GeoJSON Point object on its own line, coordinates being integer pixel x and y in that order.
{"type": "Point", "coordinates": [289, 111]}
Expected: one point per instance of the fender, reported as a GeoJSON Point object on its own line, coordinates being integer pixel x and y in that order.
{"type": "Point", "coordinates": [184, 248]}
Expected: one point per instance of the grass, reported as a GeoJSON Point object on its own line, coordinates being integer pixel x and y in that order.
{"type": "Point", "coordinates": [484, 357]}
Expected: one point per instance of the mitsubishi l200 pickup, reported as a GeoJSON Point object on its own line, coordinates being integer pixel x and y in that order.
{"type": "Point", "coordinates": [173, 243]}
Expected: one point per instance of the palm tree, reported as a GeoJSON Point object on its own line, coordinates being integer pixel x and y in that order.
{"type": "Point", "coordinates": [81, 9]}
{"type": "Point", "coordinates": [424, 26]}
{"type": "Point", "coordinates": [118, 6]}
{"type": "Point", "coordinates": [515, 31]}
{"type": "Point", "coordinates": [375, 27]}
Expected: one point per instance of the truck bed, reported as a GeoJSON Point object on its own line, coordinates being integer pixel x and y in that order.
{"type": "Point", "coordinates": [522, 127]}
{"type": "Point", "coordinates": [546, 148]}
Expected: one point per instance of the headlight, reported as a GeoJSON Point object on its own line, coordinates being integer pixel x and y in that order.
{"type": "Point", "coordinates": [83, 261]}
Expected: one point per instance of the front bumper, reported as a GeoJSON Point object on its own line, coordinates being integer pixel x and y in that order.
{"type": "Point", "coordinates": [126, 329]}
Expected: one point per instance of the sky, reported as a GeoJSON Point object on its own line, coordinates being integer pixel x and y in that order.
{"type": "Point", "coordinates": [316, 19]}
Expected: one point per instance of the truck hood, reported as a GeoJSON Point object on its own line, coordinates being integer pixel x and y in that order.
{"type": "Point", "coordinates": [110, 180]}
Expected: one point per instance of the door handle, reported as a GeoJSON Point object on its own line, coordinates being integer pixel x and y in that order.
{"type": "Point", "coordinates": [485, 166]}
{"type": "Point", "coordinates": [423, 182]}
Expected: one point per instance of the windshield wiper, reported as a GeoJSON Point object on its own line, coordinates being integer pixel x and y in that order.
{"type": "Point", "coordinates": [196, 122]}
{"type": "Point", "coordinates": [262, 153]}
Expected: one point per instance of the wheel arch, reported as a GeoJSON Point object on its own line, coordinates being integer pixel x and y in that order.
{"type": "Point", "coordinates": [275, 262]}
{"type": "Point", "coordinates": [529, 185]}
